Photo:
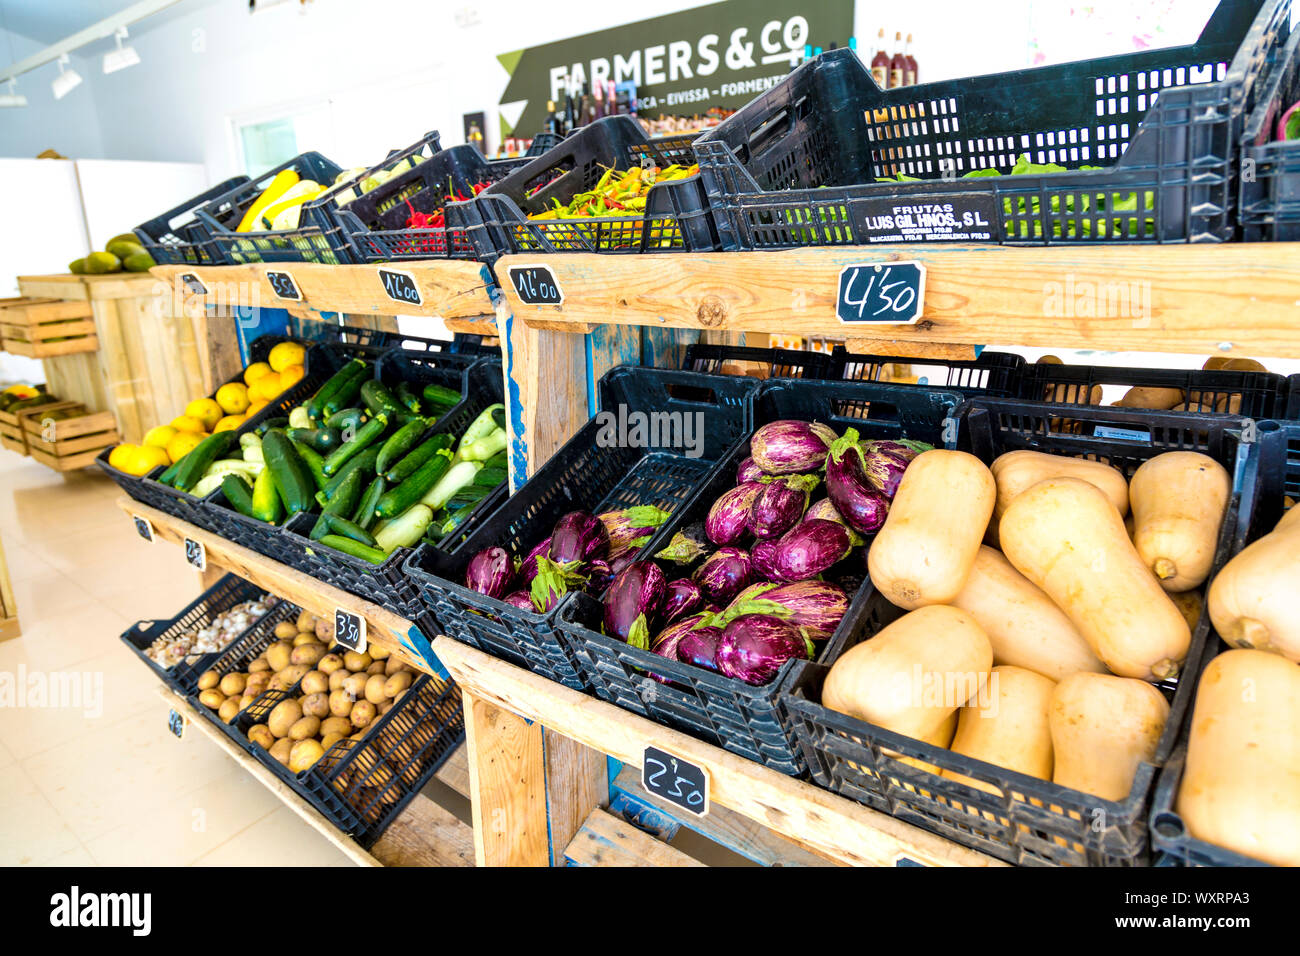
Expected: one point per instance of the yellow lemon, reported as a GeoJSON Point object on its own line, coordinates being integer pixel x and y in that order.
{"type": "Point", "coordinates": [291, 376]}
{"type": "Point", "coordinates": [205, 410]}
{"type": "Point", "coordinates": [286, 354]}
{"type": "Point", "coordinates": [255, 407]}
{"type": "Point", "coordinates": [145, 459]}
{"type": "Point", "coordinates": [122, 457]}
{"type": "Point", "coordinates": [229, 422]}
{"type": "Point", "coordinates": [256, 371]}
{"type": "Point", "coordinates": [265, 388]}
{"type": "Point", "coordinates": [184, 423]}
{"type": "Point", "coordinates": [182, 445]}
{"type": "Point", "coordinates": [159, 436]}
{"type": "Point", "coordinates": [233, 398]}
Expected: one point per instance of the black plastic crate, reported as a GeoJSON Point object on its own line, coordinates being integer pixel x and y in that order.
{"type": "Point", "coordinates": [800, 164]}
{"type": "Point", "coordinates": [1251, 394]}
{"type": "Point", "coordinates": [361, 786]}
{"type": "Point", "coordinates": [1028, 821]}
{"type": "Point", "coordinates": [676, 218]}
{"type": "Point", "coordinates": [481, 385]}
{"type": "Point", "coordinates": [1269, 204]}
{"type": "Point", "coordinates": [719, 710]}
{"type": "Point", "coordinates": [178, 237]}
{"type": "Point", "coordinates": [583, 475]}
{"type": "Point", "coordinates": [991, 373]}
{"type": "Point", "coordinates": [316, 239]}
{"type": "Point", "coordinates": [376, 223]}
{"type": "Point", "coordinates": [183, 676]}
{"type": "Point", "coordinates": [757, 362]}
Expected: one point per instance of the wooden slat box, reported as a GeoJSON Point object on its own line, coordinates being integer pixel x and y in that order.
{"type": "Point", "coordinates": [68, 436]}
{"type": "Point", "coordinates": [43, 329]}
{"type": "Point", "coordinates": [12, 435]}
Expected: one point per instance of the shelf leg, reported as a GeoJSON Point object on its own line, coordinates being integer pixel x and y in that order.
{"type": "Point", "coordinates": [507, 786]}
{"type": "Point", "coordinates": [577, 782]}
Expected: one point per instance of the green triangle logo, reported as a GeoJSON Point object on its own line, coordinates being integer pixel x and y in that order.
{"type": "Point", "coordinates": [510, 60]}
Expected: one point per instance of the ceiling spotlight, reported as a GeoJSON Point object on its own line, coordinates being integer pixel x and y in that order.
{"type": "Point", "coordinates": [67, 80]}
{"type": "Point", "coordinates": [122, 57]}
{"type": "Point", "coordinates": [11, 98]}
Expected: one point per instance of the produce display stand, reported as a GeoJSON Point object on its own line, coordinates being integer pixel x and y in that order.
{"type": "Point", "coordinates": [9, 626]}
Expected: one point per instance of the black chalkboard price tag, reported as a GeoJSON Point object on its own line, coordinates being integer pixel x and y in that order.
{"type": "Point", "coordinates": [193, 284]}
{"type": "Point", "coordinates": [881, 293]}
{"type": "Point", "coordinates": [143, 528]}
{"type": "Point", "coordinates": [176, 723]}
{"type": "Point", "coordinates": [349, 630]}
{"type": "Point", "coordinates": [536, 285]}
{"type": "Point", "coordinates": [283, 286]}
{"type": "Point", "coordinates": [678, 781]}
{"type": "Point", "coordinates": [196, 555]}
{"type": "Point", "coordinates": [401, 287]}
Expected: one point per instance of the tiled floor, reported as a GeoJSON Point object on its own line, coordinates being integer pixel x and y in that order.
{"type": "Point", "coordinates": [103, 782]}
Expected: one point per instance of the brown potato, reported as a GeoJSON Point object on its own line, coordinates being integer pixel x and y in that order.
{"type": "Point", "coordinates": [397, 683]}
{"type": "Point", "coordinates": [277, 655]}
{"type": "Point", "coordinates": [375, 668]}
{"type": "Point", "coordinates": [308, 653]}
{"type": "Point", "coordinates": [246, 700]}
{"type": "Point", "coordinates": [386, 706]}
{"type": "Point", "coordinates": [329, 740]}
{"type": "Point", "coordinates": [355, 685]}
{"type": "Point", "coordinates": [330, 663]}
{"type": "Point", "coordinates": [286, 630]}
{"type": "Point", "coordinates": [259, 666]}
{"type": "Point", "coordinates": [304, 728]}
{"type": "Point", "coordinates": [284, 715]}
{"type": "Point", "coordinates": [316, 705]}
{"type": "Point", "coordinates": [258, 682]}
{"type": "Point", "coordinates": [306, 621]}
{"type": "Point", "coordinates": [208, 680]}
{"type": "Point", "coordinates": [336, 725]}
{"type": "Point", "coordinates": [232, 685]}
{"type": "Point", "coordinates": [356, 660]}
{"type": "Point", "coordinates": [281, 749]}
{"type": "Point", "coordinates": [315, 682]}
{"type": "Point", "coordinates": [394, 665]}
{"type": "Point", "coordinates": [378, 653]}
{"type": "Point", "coordinates": [305, 637]}
{"type": "Point", "coordinates": [305, 753]}
{"type": "Point", "coordinates": [341, 703]}
{"type": "Point", "coordinates": [337, 678]}
{"type": "Point", "coordinates": [212, 698]}
{"type": "Point", "coordinates": [374, 689]}
{"type": "Point", "coordinates": [294, 673]}
{"type": "Point", "coordinates": [261, 735]}
{"type": "Point", "coordinates": [325, 629]}
{"type": "Point", "coordinates": [228, 709]}
{"type": "Point", "coordinates": [363, 712]}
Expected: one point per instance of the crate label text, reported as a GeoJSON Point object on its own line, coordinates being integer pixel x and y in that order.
{"type": "Point", "coordinates": [945, 217]}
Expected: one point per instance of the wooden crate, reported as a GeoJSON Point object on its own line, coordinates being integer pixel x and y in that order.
{"type": "Point", "coordinates": [12, 434]}
{"type": "Point", "coordinates": [45, 328]}
{"type": "Point", "coordinates": [8, 607]}
{"type": "Point", "coordinates": [71, 440]}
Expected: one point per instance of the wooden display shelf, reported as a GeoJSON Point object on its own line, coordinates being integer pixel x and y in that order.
{"type": "Point", "coordinates": [45, 328]}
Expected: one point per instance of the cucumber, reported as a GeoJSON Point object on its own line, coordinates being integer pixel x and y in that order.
{"type": "Point", "coordinates": [238, 493]}
{"type": "Point", "coordinates": [317, 402]}
{"type": "Point", "coordinates": [410, 491]}
{"type": "Point", "coordinates": [266, 500]}
{"type": "Point", "coordinates": [364, 462]}
{"type": "Point", "coordinates": [346, 418]}
{"type": "Point", "coordinates": [168, 476]}
{"type": "Point", "coordinates": [441, 395]}
{"type": "Point", "coordinates": [354, 548]}
{"type": "Point", "coordinates": [399, 443]}
{"type": "Point", "coordinates": [314, 462]}
{"type": "Point", "coordinates": [366, 435]}
{"type": "Point", "coordinates": [320, 440]}
{"type": "Point", "coordinates": [338, 524]}
{"type": "Point", "coordinates": [193, 465]}
{"type": "Point", "coordinates": [343, 503]}
{"type": "Point", "coordinates": [292, 477]}
{"type": "Point", "coordinates": [489, 478]}
{"type": "Point", "coordinates": [398, 473]}
{"type": "Point", "coordinates": [406, 395]}
{"type": "Point", "coordinates": [365, 516]}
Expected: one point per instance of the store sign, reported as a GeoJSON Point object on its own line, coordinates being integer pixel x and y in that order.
{"type": "Point", "coordinates": [283, 286]}
{"type": "Point", "coordinates": [721, 54]}
{"type": "Point", "coordinates": [536, 285]}
{"type": "Point", "coordinates": [678, 781]}
{"type": "Point", "coordinates": [881, 293]}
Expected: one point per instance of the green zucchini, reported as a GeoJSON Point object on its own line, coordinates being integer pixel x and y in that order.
{"type": "Point", "coordinates": [343, 502]}
{"type": "Point", "coordinates": [320, 440]}
{"type": "Point", "coordinates": [407, 397]}
{"type": "Point", "coordinates": [366, 435]}
{"type": "Point", "coordinates": [168, 476]}
{"type": "Point", "coordinates": [354, 548]}
{"type": "Point", "coordinates": [238, 493]}
{"type": "Point", "coordinates": [338, 524]}
{"type": "Point", "coordinates": [405, 530]}
{"type": "Point", "coordinates": [410, 491]}
{"type": "Point", "coordinates": [398, 473]}
{"type": "Point", "coordinates": [399, 443]}
{"type": "Point", "coordinates": [376, 396]}
{"type": "Point", "coordinates": [441, 395]}
{"type": "Point", "coordinates": [365, 516]}
{"type": "Point", "coordinates": [292, 476]}
{"type": "Point", "coordinates": [346, 418]}
{"type": "Point", "coordinates": [278, 422]}
{"type": "Point", "coordinates": [314, 462]}
{"type": "Point", "coordinates": [193, 465]}
{"type": "Point", "coordinates": [364, 462]}
{"type": "Point", "coordinates": [316, 404]}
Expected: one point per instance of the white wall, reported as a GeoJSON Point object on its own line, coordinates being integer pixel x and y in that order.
{"type": "Point", "coordinates": [69, 125]}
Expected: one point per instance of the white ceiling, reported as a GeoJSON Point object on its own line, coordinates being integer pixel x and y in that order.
{"type": "Point", "coordinates": [48, 21]}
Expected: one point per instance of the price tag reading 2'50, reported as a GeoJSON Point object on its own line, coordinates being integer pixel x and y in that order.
{"type": "Point", "coordinates": [196, 555]}
{"type": "Point", "coordinates": [349, 630]}
{"type": "Point", "coordinates": [283, 286]}
{"type": "Point", "coordinates": [881, 293]}
{"type": "Point", "coordinates": [401, 287]}
{"type": "Point", "coordinates": [676, 780]}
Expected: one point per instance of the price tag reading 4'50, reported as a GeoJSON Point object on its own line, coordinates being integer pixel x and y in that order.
{"type": "Point", "coordinates": [536, 285]}
{"type": "Point", "coordinates": [401, 287]}
{"type": "Point", "coordinates": [676, 780]}
{"type": "Point", "coordinates": [282, 285]}
{"type": "Point", "coordinates": [882, 293]}
{"type": "Point", "coordinates": [349, 630]}
{"type": "Point", "coordinates": [196, 555]}
{"type": "Point", "coordinates": [143, 528]}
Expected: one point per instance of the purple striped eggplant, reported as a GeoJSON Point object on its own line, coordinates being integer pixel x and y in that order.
{"type": "Point", "coordinates": [490, 572]}
{"type": "Point", "coordinates": [850, 491]}
{"type": "Point", "coordinates": [904, 449]}
{"type": "Point", "coordinates": [815, 606]}
{"type": "Point", "coordinates": [762, 560]}
{"type": "Point", "coordinates": [729, 517]}
{"type": "Point", "coordinates": [723, 574]}
{"type": "Point", "coordinates": [825, 510]}
{"type": "Point", "coordinates": [631, 528]}
{"type": "Point", "coordinates": [780, 505]}
{"type": "Point", "coordinates": [754, 646]}
{"type": "Point", "coordinates": [699, 646]}
{"type": "Point", "coordinates": [809, 548]}
{"type": "Point", "coordinates": [578, 537]}
{"type": "Point", "coordinates": [519, 599]}
{"type": "Point", "coordinates": [682, 597]}
{"type": "Point", "coordinates": [884, 470]}
{"type": "Point", "coordinates": [599, 574]}
{"type": "Point", "coordinates": [748, 470]}
{"type": "Point", "coordinates": [788, 447]}
{"type": "Point", "coordinates": [637, 593]}
{"type": "Point", "coordinates": [528, 569]}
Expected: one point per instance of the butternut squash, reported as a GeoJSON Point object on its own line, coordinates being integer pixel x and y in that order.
{"type": "Point", "coordinates": [1102, 728]}
{"type": "Point", "coordinates": [914, 673]}
{"type": "Point", "coordinates": [1024, 627]}
{"type": "Point", "coordinates": [1178, 501]}
{"type": "Point", "coordinates": [1243, 365]}
{"type": "Point", "coordinates": [930, 538]}
{"type": "Point", "coordinates": [1140, 396]}
{"type": "Point", "coordinates": [1241, 783]}
{"type": "Point", "coordinates": [1066, 537]}
{"type": "Point", "coordinates": [1252, 600]}
{"type": "Point", "coordinates": [1189, 604]}
{"type": "Point", "coordinates": [1007, 726]}
{"type": "Point", "coordinates": [1216, 362]}
{"type": "Point", "coordinates": [941, 736]}
{"type": "Point", "coordinates": [1017, 471]}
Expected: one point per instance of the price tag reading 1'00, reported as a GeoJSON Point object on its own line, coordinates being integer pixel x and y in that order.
{"type": "Point", "coordinates": [349, 630]}
{"type": "Point", "coordinates": [678, 781]}
{"type": "Point", "coordinates": [400, 287]}
{"type": "Point", "coordinates": [196, 555]}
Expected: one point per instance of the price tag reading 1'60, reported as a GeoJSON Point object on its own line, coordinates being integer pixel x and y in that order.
{"type": "Point", "coordinates": [401, 287]}
{"type": "Point", "coordinates": [676, 780]}
{"type": "Point", "coordinates": [349, 630]}
{"type": "Point", "coordinates": [282, 285]}
{"type": "Point", "coordinates": [196, 555]}
{"type": "Point", "coordinates": [536, 285]}
{"type": "Point", "coordinates": [881, 293]}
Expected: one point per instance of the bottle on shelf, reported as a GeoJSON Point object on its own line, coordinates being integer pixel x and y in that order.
{"type": "Point", "coordinates": [880, 63]}
{"type": "Point", "coordinates": [552, 118]}
{"type": "Point", "coordinates": [897, 63]}
{"type": "Point", "coordinates": [570, 120]}
{"type": "Point", "coordinates": [910, 76]}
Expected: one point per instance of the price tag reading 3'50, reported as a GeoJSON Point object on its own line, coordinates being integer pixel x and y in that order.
{"type": "Point", "coordinates": [349, 630]}
{"type": "Point", "coordinates": [882, 293]}
{"type": "Point", "coordinates": [283, 286]}
{"type": "Point", "coordinates": [193, 285]}
{"type": "Point", "coordinates": [676, 780]}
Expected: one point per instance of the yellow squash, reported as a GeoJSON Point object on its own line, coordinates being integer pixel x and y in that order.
{"type": "Point", "coordinates": [1178, 500]}
{"type": "Point", "coordinates": [1252, 600]}
{"type": "Point", "coordinates": [252, 217]}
